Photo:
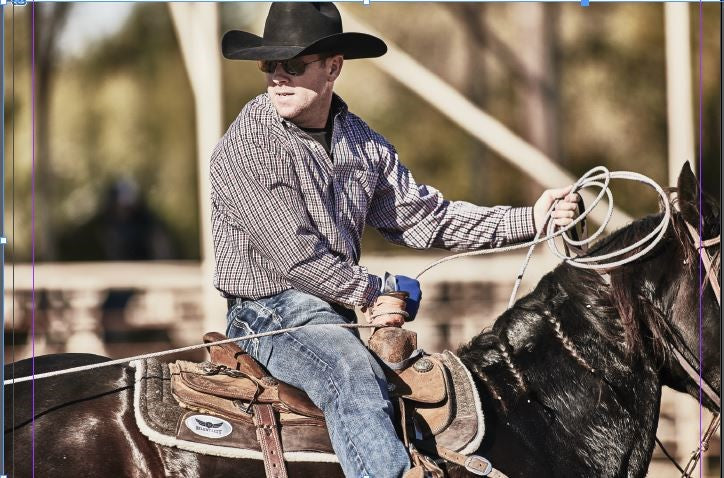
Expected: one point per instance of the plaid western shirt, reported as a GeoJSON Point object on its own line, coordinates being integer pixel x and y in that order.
{"type": "Point", "coordinates": [284, 215]}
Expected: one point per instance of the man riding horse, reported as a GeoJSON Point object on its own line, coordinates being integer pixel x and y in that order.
{"type": "Point", "coordinates": [294, 181]}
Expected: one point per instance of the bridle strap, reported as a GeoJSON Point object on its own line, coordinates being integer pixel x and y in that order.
{"type": "Point", "coordinates": [710, 276]}
{"type": "Point", "coordinates": [705, 387]}
{"type": "Point", "coordinates": [706, 261]}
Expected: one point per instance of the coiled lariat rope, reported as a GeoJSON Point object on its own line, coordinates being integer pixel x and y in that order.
{"type": "Point", "coordinates": [596, 177]}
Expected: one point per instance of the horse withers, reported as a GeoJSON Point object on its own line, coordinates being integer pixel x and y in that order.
{"type": "Point", "coordinates": [570, 378]}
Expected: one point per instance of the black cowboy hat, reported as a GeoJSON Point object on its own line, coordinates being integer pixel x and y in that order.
{"type": "Point", "coordinates": [295, 28]}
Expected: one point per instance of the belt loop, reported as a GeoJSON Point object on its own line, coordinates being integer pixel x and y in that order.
{"type": "Point", "coordinates": [230, 303]}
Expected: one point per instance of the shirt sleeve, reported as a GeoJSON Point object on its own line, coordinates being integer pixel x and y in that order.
{"type": "Point", "coordinates": [417, 216]}
{"type": "Point", "coordinates": [261, 194]}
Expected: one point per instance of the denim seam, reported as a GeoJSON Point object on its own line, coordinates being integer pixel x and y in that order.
{"type": "Point", "coordinates": [254, 341]}
{"type": "Point", "coordinates": [358, 457]}
{"type": "Point", "coordinates": [350, 444]}
{"type": "Point", "coordinates": [270, 312]}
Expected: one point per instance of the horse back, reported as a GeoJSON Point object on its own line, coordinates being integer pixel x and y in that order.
{"type": "Point", "coordinates": [77, 424]}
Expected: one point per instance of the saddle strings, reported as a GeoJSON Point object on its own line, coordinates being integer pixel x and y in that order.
{"type": "Point", "coordinates": [590, 179]}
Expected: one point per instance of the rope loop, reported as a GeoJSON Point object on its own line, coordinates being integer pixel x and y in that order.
{"type": "Point", "coordinates": [599, 177]}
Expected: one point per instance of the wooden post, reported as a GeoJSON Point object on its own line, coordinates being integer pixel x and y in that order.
{"type": "Point", "coordinates": [85, 324]}
{"type": "Point", "coordinates": [678, 88]}
{"type": "Point", "coordinates": [197, 28]}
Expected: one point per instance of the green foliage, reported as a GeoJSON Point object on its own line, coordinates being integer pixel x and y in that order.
{"type": "Point", "coordinates": [125, 109]}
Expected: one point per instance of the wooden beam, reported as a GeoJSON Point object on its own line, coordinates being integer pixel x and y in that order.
{"type": "Point", "coordinates": [479, 124]}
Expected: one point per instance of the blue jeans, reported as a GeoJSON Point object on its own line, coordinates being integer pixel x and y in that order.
{"type": "Point", "coordinates": [336, 370]}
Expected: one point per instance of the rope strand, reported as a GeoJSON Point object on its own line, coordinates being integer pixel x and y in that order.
{"type": "Point", "coordinates": [84, 368]}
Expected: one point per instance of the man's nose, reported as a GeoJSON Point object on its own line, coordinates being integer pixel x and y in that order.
{"type": "Point", "coordinates": [279, 75]}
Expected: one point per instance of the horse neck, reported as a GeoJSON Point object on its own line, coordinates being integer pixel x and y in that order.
{"type": "Point", "coordinates": [556, 358]}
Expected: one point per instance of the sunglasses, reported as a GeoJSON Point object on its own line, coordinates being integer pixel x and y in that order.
{"type": "Point", "coordinates": [294, 67]}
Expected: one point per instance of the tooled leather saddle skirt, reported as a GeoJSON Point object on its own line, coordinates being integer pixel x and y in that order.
{"type": "Point", "coordinates": [223, 407]}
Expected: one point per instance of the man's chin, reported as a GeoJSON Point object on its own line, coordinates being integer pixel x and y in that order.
{"type": "Point", "coordinates": [286, 112]}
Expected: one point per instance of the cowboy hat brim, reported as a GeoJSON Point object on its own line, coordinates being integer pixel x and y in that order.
{"type": "Point", "coordinates": [239, 45]}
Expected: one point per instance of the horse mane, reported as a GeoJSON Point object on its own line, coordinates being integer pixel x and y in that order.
{"type": "Point", "coordinates": [636, 303]}
{"type": "Point", "coordinates": [627, 314]}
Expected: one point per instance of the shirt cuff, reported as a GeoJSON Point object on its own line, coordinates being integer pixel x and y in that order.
{"type": "Point", "coordinates": [368, 291]}
{"type": "Point", "coordinates": [520, 224]}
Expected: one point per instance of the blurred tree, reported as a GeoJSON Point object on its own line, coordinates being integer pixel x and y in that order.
{"type": "Point", "coordinates": [135, 120]}
{"type": "Point", "coordinates": [49, 20]}
{"type": "Point", "coordinates": [124, 108]}
{"type": "Point", "coordinates": [17, 132]}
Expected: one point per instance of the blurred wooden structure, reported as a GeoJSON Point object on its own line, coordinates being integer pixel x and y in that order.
{"type": "Point", "coordinates": [679, 94]}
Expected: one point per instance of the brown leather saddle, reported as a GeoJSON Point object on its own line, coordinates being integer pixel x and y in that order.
{"type": "Point", "coordinates": [232, 398]}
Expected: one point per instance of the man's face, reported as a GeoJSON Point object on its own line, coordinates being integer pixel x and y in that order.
{"type": "Point", "coordinates": [305, 99]}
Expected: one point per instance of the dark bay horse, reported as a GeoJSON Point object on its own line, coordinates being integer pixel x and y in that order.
{"type": "Point", "coordinates": [570, 377]}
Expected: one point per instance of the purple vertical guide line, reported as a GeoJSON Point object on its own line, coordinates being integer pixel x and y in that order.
{"type": "Point", "coordinates": [32, 242]}
{"type": "Point", "coordinates": [701, 173]}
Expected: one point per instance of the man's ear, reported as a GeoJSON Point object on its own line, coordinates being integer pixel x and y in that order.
{"type": "Point", "coordinates": [335, 66]}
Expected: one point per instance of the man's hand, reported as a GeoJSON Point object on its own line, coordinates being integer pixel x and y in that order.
{"type": "Point", "coordinates": [391, 303]}
{"type": "Point", "coordinates": [565, 211]}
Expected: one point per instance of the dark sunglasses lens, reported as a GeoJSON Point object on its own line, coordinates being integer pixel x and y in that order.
{"type": "Point", "coordinates": [267, 66]}
{"type": "Point", "coordinates": [294, 67]}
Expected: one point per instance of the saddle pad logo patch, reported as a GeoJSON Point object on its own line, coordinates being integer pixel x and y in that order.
{"type": "Point", "coordinates": [208, 426]}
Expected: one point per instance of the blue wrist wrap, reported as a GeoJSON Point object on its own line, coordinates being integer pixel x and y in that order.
{"type": "Point", "coordinates": [412, 287]}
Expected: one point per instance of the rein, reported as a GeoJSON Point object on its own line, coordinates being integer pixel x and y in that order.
{"type": "Point", "coordinates": [710, 266]}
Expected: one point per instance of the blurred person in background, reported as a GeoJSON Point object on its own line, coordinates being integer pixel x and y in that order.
{"type": "Point", "coordinates": [295, 179]}
{"type": "Point", "coordinates": [123, 229]}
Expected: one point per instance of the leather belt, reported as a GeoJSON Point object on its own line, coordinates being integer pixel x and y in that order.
{"type": "Point", "coordinates": [348, 314]}
{"type": "Point", "coordinates": [267, 432]}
